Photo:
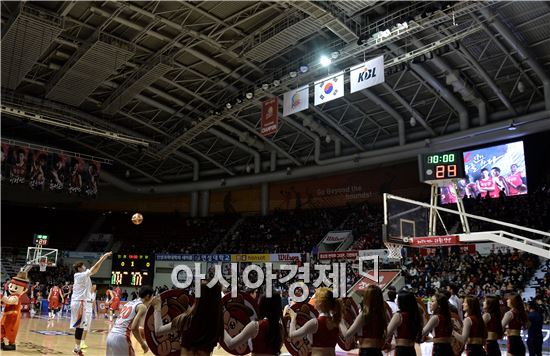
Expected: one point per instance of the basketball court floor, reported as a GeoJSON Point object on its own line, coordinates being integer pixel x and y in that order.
{"type": "Point", "coordinates": [40, 336]}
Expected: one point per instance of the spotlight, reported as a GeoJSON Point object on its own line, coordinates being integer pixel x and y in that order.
{"type": "Point", "coordinates": [288, 171]}
{"type": "Point", "coordinates": [325, 61]}
{"type": "Point", "coordinates": [412, 122]}
{"type": "Point", "coordinates": [304, 68]}
{"type": "Point", "coordinates": [335, 54]}
{"type": "Point", "coordinates": [217, 112]}
{"type": "Point", "coordinates": [228, 105]}
{"type": "Point", "coordinates": [193, 123]}
{"type": "Point", "coordinates": [328, 139]}
{"type": "Point", "coordinates": [521, 87]}
{"type": "Point", "coordinates": [239, 100]}
{"type": "Point", "coordinates": [276, 82]}
{"type": "Point", "coordinates": [249, 95]}
{"type": "Point", "coordinates": [265, 86]}
{"type": "Point", "coordinates": [222, 182]}
{"type": "Point", "coordinates": [247, 168]}
{"type": "Point", "coordinates": [512, 126]}
{"type": "Point", "coordinates": [293, 74]}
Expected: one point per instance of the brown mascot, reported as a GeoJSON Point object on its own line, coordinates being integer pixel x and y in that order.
{"type": "Point", "coordinates": [12, 312]}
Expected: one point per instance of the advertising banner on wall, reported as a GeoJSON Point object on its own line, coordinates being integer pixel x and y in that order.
{"type": "Point", "coordinates": [46, 171]}
{"type": "Point", "coordinates": [192, 257]}
{"type": "Point", "coordinates": [336, 237]}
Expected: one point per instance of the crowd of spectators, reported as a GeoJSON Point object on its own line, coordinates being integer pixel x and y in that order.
{"type": "Point", "coordinates": [496, 273]}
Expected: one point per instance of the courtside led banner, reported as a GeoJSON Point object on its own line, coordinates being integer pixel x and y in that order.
{"type": "Point", "coordinates": [367, 74]}
{"type": "Point", "coordinates": [295, 100]}
{"type": "Point", "coordinates": [329, 88]}
{"type": "Point", "coordinates": [270, 116]}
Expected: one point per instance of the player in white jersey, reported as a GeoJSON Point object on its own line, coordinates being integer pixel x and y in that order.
{"type": "Point", "coordinates": [81, 294]}
{"type": "Point", "coordinates": [130, 318]}
{"type": "Point", "coordinates": [89, 310]}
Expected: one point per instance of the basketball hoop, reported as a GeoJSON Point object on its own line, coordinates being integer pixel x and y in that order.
{"type": "Point", "coordinates": [394, 251]}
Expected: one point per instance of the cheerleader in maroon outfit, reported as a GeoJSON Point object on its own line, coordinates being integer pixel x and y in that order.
{"type": "Point", "coordinates": [515, 319]}
{"type": "Point", "coordinates": [266, 334]}
{"type": "Point", "coordinates": [407, 323]}
{"type": "Point", "coordinates": [441, 324]}
{"type": "Point", "coordinates": [492, 318]}
{"type": "Point", "coordinates": [325, 328]}
{"type": "Point", "coordinates": [371, 323]}
{"type": "Point", "coordinates": [474, 332]}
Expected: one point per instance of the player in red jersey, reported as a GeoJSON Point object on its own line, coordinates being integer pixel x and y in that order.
{"type": "Point", "coordinates": [499, 183]}
{"type": "Point", "coordinates": [514, 181]}
{"type": "Point", "coordinates": [114, 302]}
{"type": "Point", "coordinates": [54, 299]}
{"type": "Point", "coordinates": [485, 184]}
{"type": "Point", "coordinates": [66, 290]}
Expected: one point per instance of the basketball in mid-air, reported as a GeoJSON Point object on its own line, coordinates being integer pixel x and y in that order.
{"type": "Point", "coordinates": [137, 218]}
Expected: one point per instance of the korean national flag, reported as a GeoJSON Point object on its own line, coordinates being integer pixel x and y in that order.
{"type": "Point", "coordinates": [329, 88]}
{"type": "Point", "coordinates": [367, 74]}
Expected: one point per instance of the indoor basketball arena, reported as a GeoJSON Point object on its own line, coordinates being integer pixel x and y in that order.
{"type": "Point", "coordinates": [351, 178]}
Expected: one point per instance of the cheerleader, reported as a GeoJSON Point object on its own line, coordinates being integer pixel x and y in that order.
{"type": "Point", "coordinates": [515, 319]}
{"type": "Point", "coordinates": [200, 326]}
{"type": "Point", "coordinates": [371, 323]}
{"type": "Point", "coordinates": [474, 332]}
{"type": "Point", "coordinates": [407, 323]}
{"type": "Point", "coordinates": [324, 329]}
{"type": "Point", "coordinates": [266, 335]}
{"type": "Point", "coordinates": [492, 318]}
{"type": "Point", "coordinates": [441, 324]}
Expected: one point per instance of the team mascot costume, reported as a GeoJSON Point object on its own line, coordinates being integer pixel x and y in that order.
{"type": "Point", "coordinates": [12, 312]}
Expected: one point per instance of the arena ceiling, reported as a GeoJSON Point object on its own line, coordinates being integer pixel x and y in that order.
{"type": "Point", "coordinates": [163, 72]}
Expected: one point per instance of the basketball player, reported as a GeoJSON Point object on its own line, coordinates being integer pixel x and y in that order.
{"type": "Point", "coordinates": [89, 310]}
{"type": "Point", "coordinates": [499, 183]}
{"type": "Point", "coordinates": [66, 289]}
{"type": "Point", "coordinates": [485, 184]}
{"type": "Point", "coordinates": [53, 301]}
{"type": "Point", "coordinates": [114, 302]}
{"type": "Point", "coordinates": [130, 318]}
{"type": "Point", "coordinates": [81, 294]}
{"type": "Point", "coordinates": [515, 181]}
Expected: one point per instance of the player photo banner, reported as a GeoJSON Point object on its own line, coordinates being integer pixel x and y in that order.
{"type": "Point", "coordinates": [296, 100]}
{"type": "Point", "coordinates": [367, 74]}
{"type": "Point", "coordinates": [42, 170]}
{"type": "Point", "coordinates": [329, 88]}
{"type": "Point", "coordinates": [270, 116]}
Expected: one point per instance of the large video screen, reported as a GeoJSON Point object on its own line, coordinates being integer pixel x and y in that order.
{"type": "Point", "coordinates": [491, 172]}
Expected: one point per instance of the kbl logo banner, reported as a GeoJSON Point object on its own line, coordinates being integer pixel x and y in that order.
{"type": "Point", "coordinates": [367, 74]}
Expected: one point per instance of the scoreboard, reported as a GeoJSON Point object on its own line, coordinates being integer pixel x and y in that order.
{"type": "Point", "coordinates": [132, 269]}
{"type": "Point", "coordinates": [442, 166]}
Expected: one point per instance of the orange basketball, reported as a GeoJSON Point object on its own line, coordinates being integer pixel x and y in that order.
{"type": "Point", "coordinates": [137, 218]}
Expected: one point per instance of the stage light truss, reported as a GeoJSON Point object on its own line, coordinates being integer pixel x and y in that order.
{"type": "Point", "coordinates": [66, 124]}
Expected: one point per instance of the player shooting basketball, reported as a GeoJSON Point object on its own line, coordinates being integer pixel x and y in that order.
{"type": "Point", "coordinates": [82, 290]}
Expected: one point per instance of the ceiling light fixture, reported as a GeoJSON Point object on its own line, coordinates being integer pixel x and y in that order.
{"type": "Point", "coordinates": [249, 95]}
{"type": "Point", "coordinates": [293, 74]}
{"type": "Point", "coordinates": [304, 68]}
{"type": "Point", "coordinates": [325, 61]}
{"type": "Point", "coordinates": [512, 126]}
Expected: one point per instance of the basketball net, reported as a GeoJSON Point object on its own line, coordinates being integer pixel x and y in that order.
{"type": "Point", "coordinates": [394, 251]}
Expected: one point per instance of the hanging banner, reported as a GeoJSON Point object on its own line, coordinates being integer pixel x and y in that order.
{"type": "Point", "coordinates": [329, 88]}
{"type": "Point", "coordinates": [42, 170]}
{"type": "Point", "coordinates": [367, 74]}
{"type": "Point", "coordinates": [270, 119]}
{"type": "Point", "coordinates": [295, 100]}
{"type": "Point", "coordinates": [385, 278]}
{"type": "Point", "coordinates": [336, 237]}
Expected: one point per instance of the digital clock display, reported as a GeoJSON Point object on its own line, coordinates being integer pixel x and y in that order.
{"type": "Point", "coordinates": [441, 166]}
{"type": "Point", "coordinates": [132, 269]}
